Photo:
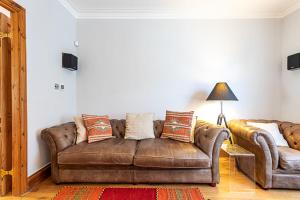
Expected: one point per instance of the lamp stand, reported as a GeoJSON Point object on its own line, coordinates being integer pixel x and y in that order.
{"type": "Point", "coordinates": [222, 118]}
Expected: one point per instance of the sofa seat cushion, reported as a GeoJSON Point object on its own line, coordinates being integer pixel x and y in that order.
{"type": "Point", "coordinates": [114, 151]}
{"type": "Point", "coordinates": [168, 153]}
{"type": "Point", "coordinates": [289, 158]}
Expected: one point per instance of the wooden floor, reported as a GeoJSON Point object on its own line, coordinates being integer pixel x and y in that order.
{"type": "Point", "coordinates": [229, 188]}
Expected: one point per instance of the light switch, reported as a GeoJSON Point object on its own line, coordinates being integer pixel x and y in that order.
{"type": "Point", "coordinates": [62, 87]}
{"type": "Point", "coordinates": [56, 86]}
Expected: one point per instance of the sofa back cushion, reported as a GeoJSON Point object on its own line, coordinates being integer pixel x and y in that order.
{"type": "Point", "coordinates": [291, 132]}
{"type": "Point", "coordinates": [119, 126]}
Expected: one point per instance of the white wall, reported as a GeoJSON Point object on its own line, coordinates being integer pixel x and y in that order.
{"type": "Point", "coordinates": [50, 31]}
{"type": "Point", "coordinates": [154, 65]}
{"type": "Point", "coordinates": [290, 79]}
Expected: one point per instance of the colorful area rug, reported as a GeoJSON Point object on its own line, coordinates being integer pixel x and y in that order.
{"type": "Point", "coordinates": [102, 193]}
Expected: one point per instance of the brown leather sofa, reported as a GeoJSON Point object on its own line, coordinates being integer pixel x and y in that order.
{"type": "Point", "coordinates": [118, 160]}
{"type": "Point", "coordinates": [276, 167]}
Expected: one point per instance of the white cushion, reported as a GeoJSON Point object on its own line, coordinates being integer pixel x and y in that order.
{"type": "Point", "coordinates": [139, 126]}
{"type": "Point", "coordinates": [194, 122]}
{"type": "Point", "coordinates": [81, 130]}
{"type": "Point", "coordinates": [272, 128]}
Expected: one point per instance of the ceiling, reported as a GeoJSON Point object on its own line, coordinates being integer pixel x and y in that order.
{"type": "Point", "coordinates": [181, 8]}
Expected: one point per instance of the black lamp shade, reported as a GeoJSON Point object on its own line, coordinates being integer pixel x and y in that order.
{"type": "Point", "coordinates": [222, 92]}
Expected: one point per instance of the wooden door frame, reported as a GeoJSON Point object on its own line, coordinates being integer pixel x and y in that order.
{"type": "Point", "coordinates": [19, 96]}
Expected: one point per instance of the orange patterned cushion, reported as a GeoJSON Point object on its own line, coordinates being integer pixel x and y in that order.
{"type": "Point", "coordinates": [178, 126]}
{"type": "Point", "coordinates": [98, 127]}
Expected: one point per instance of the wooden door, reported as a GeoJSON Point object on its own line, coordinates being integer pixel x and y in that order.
{"type": "Point", "coordinates": [5, 105]}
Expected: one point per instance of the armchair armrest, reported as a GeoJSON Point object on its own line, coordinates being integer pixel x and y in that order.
{"type": "Point", "coordinates": [58, 138]}
{"type": "Point", "coordinates": [257, 137]}
{"type": "Point", "coordinates": [262, 144]}
{"type": "Point", "coordinates": [209, 138]}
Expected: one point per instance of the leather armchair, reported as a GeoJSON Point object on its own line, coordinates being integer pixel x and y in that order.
{"type": "Point", "coordinates": [267, 154]}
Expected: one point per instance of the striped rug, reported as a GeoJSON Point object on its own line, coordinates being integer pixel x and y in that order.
{"type": "Point", "coordinates": [104, 193]}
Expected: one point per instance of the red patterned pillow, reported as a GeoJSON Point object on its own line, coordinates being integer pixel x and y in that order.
{"type": "Point", "coordinates": [178, 126]}
{"type": "Point", "coordinates": [98, 127]}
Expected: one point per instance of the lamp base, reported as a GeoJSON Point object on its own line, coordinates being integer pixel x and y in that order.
{"type": "Point", "coordinates": [222, 118]}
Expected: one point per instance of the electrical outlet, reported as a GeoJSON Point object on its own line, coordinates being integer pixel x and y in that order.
{"type": "Point", "coordinates": [62, 87]}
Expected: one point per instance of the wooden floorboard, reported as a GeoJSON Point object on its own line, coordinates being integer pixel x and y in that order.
{"type": "Point", "coordinates": [47, 189]}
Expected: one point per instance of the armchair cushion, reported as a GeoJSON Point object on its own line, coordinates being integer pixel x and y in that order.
{"type": "Point", "coordinates": [167, 153]}
{"type": "Point", "coordinates": [289, 158]}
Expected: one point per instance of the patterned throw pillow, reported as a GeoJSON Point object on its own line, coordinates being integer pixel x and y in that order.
{"type": "Point", "coordinates": [178, 126]}
{"type": "Point", "coordinates": [98, 127]}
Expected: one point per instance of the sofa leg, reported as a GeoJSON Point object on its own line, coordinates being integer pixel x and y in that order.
{"type": "Point", "coordinates": [213, 184]}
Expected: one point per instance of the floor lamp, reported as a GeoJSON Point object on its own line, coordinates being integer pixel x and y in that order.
{"type": "Point", "coordinates": [222, 92]}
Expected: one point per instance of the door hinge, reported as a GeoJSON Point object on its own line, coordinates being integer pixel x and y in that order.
{"type": "Point", "coordinates": [5, 35]}
{"type": "Point", "coordinates": [6, 173]}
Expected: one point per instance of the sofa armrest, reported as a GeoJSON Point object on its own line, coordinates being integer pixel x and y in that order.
{"type": "Point", "coordinates": [209, 138]}
{"type": "Point", "coordinates": [58, 138]}
{"type": "Point", "coordinates": [257, 137]}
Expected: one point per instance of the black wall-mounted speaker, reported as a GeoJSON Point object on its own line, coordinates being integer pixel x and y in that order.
{"type": "Point", "coordinates": [69, 61]}
{"type": "Point", "coordinates": [294, 62]}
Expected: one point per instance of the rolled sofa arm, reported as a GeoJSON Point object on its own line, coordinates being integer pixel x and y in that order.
{"type": "Point", "coordinates": [209, 138]}
{"type": "Point", "coordinates": [58, 138]}
{"type": "Point", "coordinates": [255, 136]}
